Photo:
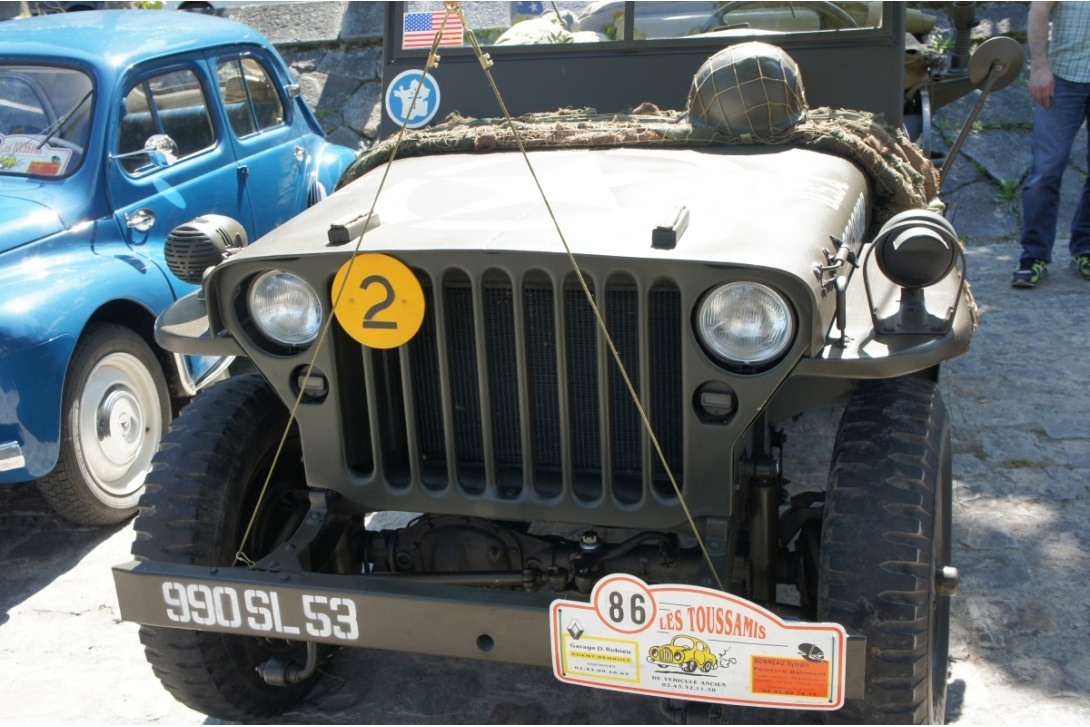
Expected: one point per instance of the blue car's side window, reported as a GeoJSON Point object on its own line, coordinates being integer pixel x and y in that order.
{"type": "Point", "coordinates": [173, 104]}
{"type": "Point", "coordinates": [249, 96]}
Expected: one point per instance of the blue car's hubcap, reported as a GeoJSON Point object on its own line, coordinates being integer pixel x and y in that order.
{"type": "Point", "coordinates": [119, 424]}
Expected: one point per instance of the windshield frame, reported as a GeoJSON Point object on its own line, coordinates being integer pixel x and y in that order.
{"type": "Point", "coordinates": [860, 69]}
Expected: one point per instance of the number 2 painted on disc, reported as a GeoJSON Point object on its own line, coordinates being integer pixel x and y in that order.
{"type": "Point", "coordinates": [378, 300]}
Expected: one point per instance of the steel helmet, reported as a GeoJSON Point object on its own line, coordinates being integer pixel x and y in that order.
{"type": "Point", "coordinates": [748, 90]}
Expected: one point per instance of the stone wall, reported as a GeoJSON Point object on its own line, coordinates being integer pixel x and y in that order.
{"type": "Point", "coordinates": [334, 49]}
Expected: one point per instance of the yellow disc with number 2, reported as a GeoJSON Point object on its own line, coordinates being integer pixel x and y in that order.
{"type": "Point", "coordinates": [381, 303]}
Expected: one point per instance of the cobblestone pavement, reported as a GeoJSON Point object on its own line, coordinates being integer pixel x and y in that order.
{"type": "Point", "coordinates": [1020, 404]}
{"type": "Point", "coordinates": [1021, 413]}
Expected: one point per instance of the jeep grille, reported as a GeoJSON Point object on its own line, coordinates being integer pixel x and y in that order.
{"type": "Point", "coordinates": [517, 396]}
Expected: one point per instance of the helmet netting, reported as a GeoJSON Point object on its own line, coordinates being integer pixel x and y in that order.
{"type": "Point", "coordinates": [751, 91]}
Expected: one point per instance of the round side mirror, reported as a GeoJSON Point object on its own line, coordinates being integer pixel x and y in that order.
{"type": "Point", "coordinates": [1007, 52]}
{"type": "Point", "coordinates": [161, 150]}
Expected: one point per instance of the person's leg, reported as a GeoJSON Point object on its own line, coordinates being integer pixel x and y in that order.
{"type": "Point", "coordinates": [1053, 133]}
{"type": "Point", "coordinates": [1080, 223]}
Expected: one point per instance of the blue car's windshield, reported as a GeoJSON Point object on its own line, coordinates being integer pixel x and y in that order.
{"type": "Point", "coordinates": [45, 119]}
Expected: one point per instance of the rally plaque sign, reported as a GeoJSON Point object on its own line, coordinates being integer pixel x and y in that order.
{"type": "Point", "coordinates": [688, 642]}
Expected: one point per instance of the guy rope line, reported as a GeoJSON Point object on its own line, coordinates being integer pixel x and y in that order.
{"type": "Point", "coordinates": [433, 60]}
{"type": "Point", "coordinates": [486, 63]}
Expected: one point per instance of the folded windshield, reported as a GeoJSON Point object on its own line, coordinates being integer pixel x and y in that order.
{"type": "Point", "coordinates": [45, 119]}
{"type": "Point", "coordinates": [525, 23]}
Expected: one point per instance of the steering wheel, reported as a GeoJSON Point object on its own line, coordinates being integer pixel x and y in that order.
{"type": "Point", "coordinates": [833, 16]}
{"type": "Point", "coordinates": [65, 144]}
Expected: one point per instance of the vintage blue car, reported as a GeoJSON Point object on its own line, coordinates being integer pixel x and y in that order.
{"type": "Point", "coordinates": [119, 130]}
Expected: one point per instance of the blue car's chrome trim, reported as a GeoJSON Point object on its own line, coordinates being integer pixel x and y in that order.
{"type": "Point", "coordinates": [11, 457]}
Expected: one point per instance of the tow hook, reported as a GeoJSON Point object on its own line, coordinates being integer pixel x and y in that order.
{"type": "Point", "coordinates": [281, 673]}
{"type": "Point", "coordinates": [946, 581]}
{"type": "Point", "coordinates": [677, 711]}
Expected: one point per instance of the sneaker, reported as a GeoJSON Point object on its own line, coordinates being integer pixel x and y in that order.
{"type": "Point", "coordinates": [1030, 272]}
{"type": "Point", "coordinates": [1082, 262]}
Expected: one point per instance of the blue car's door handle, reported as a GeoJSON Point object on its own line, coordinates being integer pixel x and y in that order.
{"type": "Point", "coordinates": [141, 220]}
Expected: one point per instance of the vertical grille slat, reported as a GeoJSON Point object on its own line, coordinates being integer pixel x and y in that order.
{"type": "Point", "coordinates": [484, 347]}
{"type": "Point", "coordinates": [509, 390]}
{"type": "Point", "coordinates": [431, 405]}
{"type": "Point", "coordinates": [452, 449]}
{"type": "Point", "coordinates": [413, 437]}
{"type": "Point", "coordinates": [525, 402]}
{"type": "Point", "coordinates": [503, 428]}
{"type": "Point", "coordinates": [374, 414]}
{"type": "Point", "coordinates": [567, 458]}
{"type": "Point", "coordinates": [583, 367]}
{"type": "Point", "coordinates": [465, 418]}
{"type": "Point", "coordinates": [547, 425]}
{"type": "Point", "coordinates": [664, 333]}
{"type": "Point", "coordinates": [647, 452]}
{"type": "Point", "coordinates": [626, 430]}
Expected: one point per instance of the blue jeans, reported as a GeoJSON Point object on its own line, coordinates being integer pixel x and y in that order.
{"type": "Point", "coordinates": [1054, 132]}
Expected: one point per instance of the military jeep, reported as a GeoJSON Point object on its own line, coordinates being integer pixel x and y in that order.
{"type": "Point", "coordinates": [562, 325]}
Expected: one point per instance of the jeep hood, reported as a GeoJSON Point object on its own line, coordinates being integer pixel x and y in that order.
{"type": "Point", "coordinates": [759, 206]}
{"type": "Point", "coordinates": [23, 220]}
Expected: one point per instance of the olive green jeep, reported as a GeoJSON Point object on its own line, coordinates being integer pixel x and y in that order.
{"type": "Point", "coordinates": [555, 327]}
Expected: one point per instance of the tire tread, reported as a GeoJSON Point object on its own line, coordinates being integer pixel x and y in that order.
{"type": "Point", "coordinates": [180, 522]}
{"type": "Point", "coordinates": [876, 552]}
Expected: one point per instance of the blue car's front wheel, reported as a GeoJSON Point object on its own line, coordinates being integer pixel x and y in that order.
{"type": "Point", "coordinates": [116, 408]}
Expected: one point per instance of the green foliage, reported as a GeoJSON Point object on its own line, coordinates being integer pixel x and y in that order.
{"type": "Point", "coordinates": [1020, 463]}
{"type": "Point", "coordinates": [488, 36]}
{"type": "Point", "coordinates": [1003, 126]}
{"type": "Point", "coordinates": [615, 30]}
{"type": "Point", "coordinates": [941, 43]}
{"type": "Point", "coordinates": [1007, 191]}
{"type": "Point", "coordinates": [944, 125]}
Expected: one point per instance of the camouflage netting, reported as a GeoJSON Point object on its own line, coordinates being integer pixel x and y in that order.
{"type": "Point", "coordinates": [747, 93]}
{"type": "Point", "coordinates": [903, 178]}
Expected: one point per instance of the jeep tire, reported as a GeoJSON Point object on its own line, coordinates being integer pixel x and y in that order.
{"type": "Point", "coordinates": [885, 541]}
{"type": "Point", "coordinates": [206, 484]}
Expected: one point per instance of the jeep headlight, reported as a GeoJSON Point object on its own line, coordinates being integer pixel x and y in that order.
{"type": "Point", "coordinates": [745, 324]}
{"type": "Point", "coordinates": [285, 309]}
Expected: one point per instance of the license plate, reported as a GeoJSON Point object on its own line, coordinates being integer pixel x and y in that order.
{"type": "Point", "coordinates": [286, 611]}
{"type": "Point", "coordinates": [695, 643]}
{"type": "Point", "coordinates": [364, 611]}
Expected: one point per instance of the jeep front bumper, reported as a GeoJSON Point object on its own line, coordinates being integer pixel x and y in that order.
{"type": "Point", "coordinates": [371, 612]}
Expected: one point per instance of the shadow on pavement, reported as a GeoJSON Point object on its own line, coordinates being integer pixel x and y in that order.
{"type": "Point", "coordinates": [37, 545]}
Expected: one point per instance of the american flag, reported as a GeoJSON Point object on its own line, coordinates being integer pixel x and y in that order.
{"type": "Point", "coordinates": [420, 29]}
